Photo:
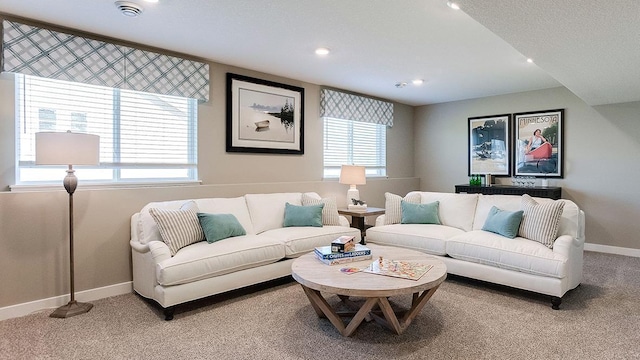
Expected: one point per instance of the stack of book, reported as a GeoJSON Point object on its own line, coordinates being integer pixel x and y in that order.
{"type": "Point", "coordinates": [359, 253]}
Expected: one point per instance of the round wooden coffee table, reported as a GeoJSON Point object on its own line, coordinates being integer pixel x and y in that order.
{"type": "Point", "coordinates": [316, 277]}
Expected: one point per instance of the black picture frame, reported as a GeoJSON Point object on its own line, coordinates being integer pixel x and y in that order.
{"type": "Point", "coordinates": [264, 116]}
{"type": "Point", "coordinates": [547, 159]}
{"type": "Point", "coordinates": [489, 150]}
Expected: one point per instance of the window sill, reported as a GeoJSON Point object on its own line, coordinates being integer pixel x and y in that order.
{"type": "Point", "coordinates": [87, 185]}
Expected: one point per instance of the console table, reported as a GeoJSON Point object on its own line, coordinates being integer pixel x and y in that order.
{"type": "Point", "coordinates": [551, 192]}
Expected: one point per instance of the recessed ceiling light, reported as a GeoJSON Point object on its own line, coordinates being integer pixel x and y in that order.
{"type": "Point", "coordinates": [322, 51]}
{"type": "Point", "coordinates": [453, 5]}
{"type": "Point", "coordinates": [417, 82]}
{"type": "Point", "coordinates": [530, 60]}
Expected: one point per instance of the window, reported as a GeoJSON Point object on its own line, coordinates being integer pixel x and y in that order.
{"type": "Point", "coordinates": [46, 120]}
{"type": "Point", "coordinates": [354, 142]}
{"type": "Point", "coordinates": [144, 137]}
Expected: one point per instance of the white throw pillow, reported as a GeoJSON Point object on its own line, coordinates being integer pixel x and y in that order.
{"type": "Point", "coordinates": [330, 214]}
{"type": "Point", "coordinates": [178, 228]}
{"type": "Point", "coordinates": [393, 206]}
{"type": "Point", "coordinates": [540, 222]}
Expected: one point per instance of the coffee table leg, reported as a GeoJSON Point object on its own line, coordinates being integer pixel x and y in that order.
{"type": "Point", "coordinates": [313, 303]}
{"type": "Point", "coordinates": [416, 306]}
{"type": "Point", "coordinates": [323, 309]}
{"type": "Point", "coordinates": [390, 319]}
{"type": "Point", "coordinates": [360, 315]}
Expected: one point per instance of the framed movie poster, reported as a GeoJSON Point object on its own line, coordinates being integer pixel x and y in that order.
{"type": "Point", "coordinates": [264, 116]}
{"type": "Point", "coordinates": [489, 148]}
{"type": "Point", "coordinates": [538, 144]}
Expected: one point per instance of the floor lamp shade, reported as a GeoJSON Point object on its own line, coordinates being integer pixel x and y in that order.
{"type": "Point", "coordinates": [60, 148]}
{"type": "Point", "coordinates": [352, 175]}
{"type": "Point", "coordinates": [67, 148]}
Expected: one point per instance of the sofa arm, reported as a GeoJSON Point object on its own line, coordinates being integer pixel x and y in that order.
{"type": "Point", "coordinates": [139, 247]}
{"type": "Point", "coordinates": [343, 221]}
{"type": "Point", "coordinates": [380, 220]}
{"type": "Point", "coordinates": [159, 251]}
{"type": "Point", "coordinates": [565, 244]}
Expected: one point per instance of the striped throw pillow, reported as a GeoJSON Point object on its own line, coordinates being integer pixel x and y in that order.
{"type": "Point", "coordinates": [178, 228]}
{"type": "Point", "coordinates": [540, 222]}
{"type": "Point", "coordinates": [393, 206]}
{"type": "Point", "coordinates": [330, 214]}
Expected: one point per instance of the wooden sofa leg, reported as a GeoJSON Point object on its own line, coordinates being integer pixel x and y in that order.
{"type": "Point", "coordinates": [555, 302]}
{"type": "Point", "coordinates": [168, 313]}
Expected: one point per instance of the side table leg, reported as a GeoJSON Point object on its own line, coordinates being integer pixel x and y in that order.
{"type": "Point", "coordinates": [358, 223]}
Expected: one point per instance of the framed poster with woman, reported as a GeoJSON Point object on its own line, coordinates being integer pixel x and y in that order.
{"type": "Point", "coordinates": [538, 145]}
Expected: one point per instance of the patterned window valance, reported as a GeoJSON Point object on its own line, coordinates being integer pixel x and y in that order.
{"type": "Point", "coordinates": [46, 53]}
{"type": "Point", "coordinates": [341, 105]}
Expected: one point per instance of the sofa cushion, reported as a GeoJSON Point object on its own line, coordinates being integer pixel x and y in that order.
{"type": "Point", "coordinates": [303, 215]}
{"type": "Point", "coordinates": [393, 206]}
{"type": "Point", "coordinates": [220, 226]}
{"type": "Point", "coordinates": [301, 240]}
{"type": "Point", "coordinates": [203, 260]}
{"type": "Point", "coordinates": [502, 222]}
{"type": "Point", "coordinates": [236, 206]}
{"type": "Point", "coordinates": [420, 213]}
{"type": "Point", "coordinates": [540, 221]}
{"type": "Point", "coordinates": [330, 214]}
{"type": "Point", "coordinates": [486, 202]}
{"type": "Point", "coordinates": [267, 210]}
{"type": "Point", "coordinates": [180, 227]}
{"type": "Point", "coordinates": [518, 254]}
{"type": "Point", "coordinates": [427, 238]}
{"type": "Point", "coordinates": [455, 210]}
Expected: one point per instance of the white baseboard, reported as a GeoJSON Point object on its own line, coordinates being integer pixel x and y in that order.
{"type": "Point", "coordinates": [612, 249]}
{"type": "Point", "coordinates": [52, 303]}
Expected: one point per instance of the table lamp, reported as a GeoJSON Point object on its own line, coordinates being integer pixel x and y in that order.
{"type": "Point", "coordinates": [353, 175]}
{"type": "Point", "coordinates": [60, 148]}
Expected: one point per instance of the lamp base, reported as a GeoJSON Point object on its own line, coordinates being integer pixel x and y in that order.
{"type": "Point", "coordinates": [73, 308]}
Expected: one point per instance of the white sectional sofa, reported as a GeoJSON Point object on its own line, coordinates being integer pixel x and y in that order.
{"type": "Point", "coordinates": [202, 269]}
{"type": "Point", "coordinates": [469, 251]}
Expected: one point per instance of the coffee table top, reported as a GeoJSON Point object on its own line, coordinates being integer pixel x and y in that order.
{"type": "Point", "coordinates": [312, 273]}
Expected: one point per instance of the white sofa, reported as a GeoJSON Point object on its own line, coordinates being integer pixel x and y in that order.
{"type": "Point", "coordinates": [469, 251]}
{"type": "Point", "coordinates": [203, 269]}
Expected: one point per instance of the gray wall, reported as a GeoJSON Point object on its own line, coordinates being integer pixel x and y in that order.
{"type": "Point", "coordinates": [601, 155]}
{"type": "Point", "coordinates": [33, 225]}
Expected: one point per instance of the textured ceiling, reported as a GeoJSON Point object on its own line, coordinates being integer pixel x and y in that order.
{"type": "Point", "coordinates": [592, 47]}
{"type": "Point", "coordinates": [377, 43]}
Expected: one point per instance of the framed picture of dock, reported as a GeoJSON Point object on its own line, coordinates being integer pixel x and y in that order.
{"type": "Point", "coordinates": [489, 150]}
{"type": "Point", "coordinates": [538, 144]}
{"type": "Point", "coordinates": [264, 116]}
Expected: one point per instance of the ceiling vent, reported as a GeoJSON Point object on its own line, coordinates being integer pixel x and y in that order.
{"type": "Point", "coordinates": [128, 8]}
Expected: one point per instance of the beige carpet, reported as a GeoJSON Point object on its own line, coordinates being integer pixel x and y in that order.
{"type": "Point", "coordinates": [464, 320]}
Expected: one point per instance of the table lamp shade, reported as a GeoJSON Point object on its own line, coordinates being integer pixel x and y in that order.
{"type": "Point", "coordinates": [352, 175]}
{"type": "Point", "coordinates": [67, 148]}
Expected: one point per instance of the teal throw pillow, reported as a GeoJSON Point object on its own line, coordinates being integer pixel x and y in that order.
{"type": "Point", "coordinates": [420, 213]}
{"type": "Point", "coordinates": [505, 223]}
{"type": "Point", "coordinates": [310, 215]}
{"type": "Point", "coordinates": [220, 226]}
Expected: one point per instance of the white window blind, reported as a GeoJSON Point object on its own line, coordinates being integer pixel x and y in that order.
{"type": "Point", "coordinates": [144, 137]}
{"type": "Point", "coordinates": [354, 142]}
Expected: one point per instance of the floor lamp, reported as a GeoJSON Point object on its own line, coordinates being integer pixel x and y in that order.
{"type": "Point", "coordinates": [60, 148]}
